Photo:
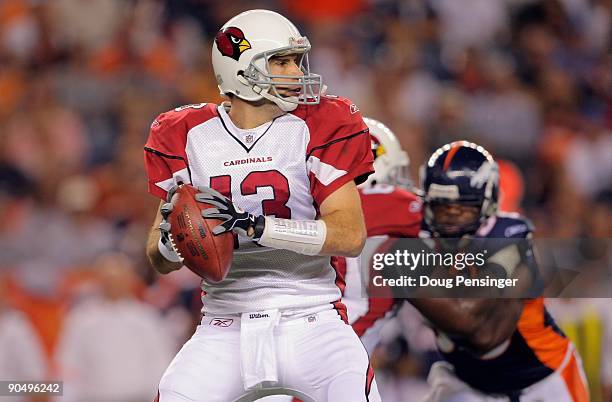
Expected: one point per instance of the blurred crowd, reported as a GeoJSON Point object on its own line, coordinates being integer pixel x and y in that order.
{"type": "Point", "coordinates": [81, 81]}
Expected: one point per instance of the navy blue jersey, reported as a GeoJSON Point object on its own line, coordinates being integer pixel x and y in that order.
{"type": "Point", "coordinates": [536, 348]}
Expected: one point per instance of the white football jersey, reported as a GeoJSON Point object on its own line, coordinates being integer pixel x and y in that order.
{"type": "Point", "coordinates": [284, 168]}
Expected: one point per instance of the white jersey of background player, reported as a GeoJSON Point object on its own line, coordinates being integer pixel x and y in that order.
{"type": "Point", "coordinates": [284, 163]}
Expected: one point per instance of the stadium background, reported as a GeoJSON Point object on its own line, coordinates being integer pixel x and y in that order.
{"type": "Point", "coordinates": [81, 80]}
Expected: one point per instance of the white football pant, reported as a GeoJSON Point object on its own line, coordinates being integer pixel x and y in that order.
{"type": "Point", "coordinates": [317, 355]}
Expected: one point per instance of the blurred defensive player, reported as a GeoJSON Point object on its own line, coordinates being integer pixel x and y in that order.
{"type": "Point", "coordinates": [494, 349]}
{"type": "Point", "coordinates": [280, 164]}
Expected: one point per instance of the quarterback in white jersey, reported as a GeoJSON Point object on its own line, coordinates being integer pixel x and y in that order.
{"type": "Point", "coordinates": [280, 163]}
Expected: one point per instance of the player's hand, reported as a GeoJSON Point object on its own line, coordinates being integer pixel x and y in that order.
{"type": "Point", "coordinates": [164, 226]}
{"type": "Point", "coordinates": [234, 218]}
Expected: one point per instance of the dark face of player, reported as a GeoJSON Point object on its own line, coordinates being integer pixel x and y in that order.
{"type": "Point", "coordinates": [288, 65]}
{"type": "Point", "coordinates": [454, 214]}
{"type": "Point", "coordinates": [455, 219]}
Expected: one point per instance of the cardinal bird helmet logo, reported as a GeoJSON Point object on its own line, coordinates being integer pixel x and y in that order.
{"type": "Point", "coordinates": [231, 42]}
{"type": "Point", "coordinates": [377, 148]}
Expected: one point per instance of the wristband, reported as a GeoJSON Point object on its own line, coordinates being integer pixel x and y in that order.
{"type": "Point", "coordinates": [302, 236]}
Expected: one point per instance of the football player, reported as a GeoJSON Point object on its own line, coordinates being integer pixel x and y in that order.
{"type": "Point", "coordinates": [280, 165]}
{"type": "Point", "coordinates": [494, 349]}
{"type": "Point", "coordinates": [390, 210]}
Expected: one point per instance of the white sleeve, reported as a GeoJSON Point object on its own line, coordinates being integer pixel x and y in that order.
{"type": "Point", "coordinates": [158, 345]}
{"type": "Point", "coordinates": [70, 355]}
{"type": "Point", "coordinates": [30, 363]}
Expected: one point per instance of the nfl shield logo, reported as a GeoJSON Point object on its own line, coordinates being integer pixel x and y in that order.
{"type": "Point", "coordinates": [248, 138]}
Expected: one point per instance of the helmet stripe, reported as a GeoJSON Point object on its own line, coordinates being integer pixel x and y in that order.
{"type": "Point", "coordinates": [449, 156]}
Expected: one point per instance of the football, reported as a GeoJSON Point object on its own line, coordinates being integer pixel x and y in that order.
{"type": "Point", "coordinates": [205, 254]}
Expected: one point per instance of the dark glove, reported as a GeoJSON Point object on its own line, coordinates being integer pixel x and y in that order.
{"type": "Point", "coordinates": [233, 217]}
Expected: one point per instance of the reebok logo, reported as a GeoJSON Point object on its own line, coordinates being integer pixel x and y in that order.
{"type": "Point", "coordinates": [221, 322]}
{"type": "Point", "coordinates": [258, 315]}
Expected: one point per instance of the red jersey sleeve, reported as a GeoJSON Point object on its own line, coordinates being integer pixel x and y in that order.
{"type": "Point", "coordinates": [340, 148]}
{"type": "Point", "coordinates": [391, 211]}
{"type": "Point", "coordinates": [165, 159]}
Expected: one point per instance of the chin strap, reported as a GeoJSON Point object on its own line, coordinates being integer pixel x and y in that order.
{"type": "Point", "coordinates": [263, 92]}
{"type": "Point", "coordinates": [280, 102]}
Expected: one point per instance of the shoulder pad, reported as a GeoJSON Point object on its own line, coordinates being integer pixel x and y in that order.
{"type": "Point", "coordinates": [334, 118]}
{"type": "Point", "coordinates": [511, 226]}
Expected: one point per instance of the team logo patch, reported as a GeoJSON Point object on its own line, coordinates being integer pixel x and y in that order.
{"type": "Point", "coordinates": [415, 206]}
{"type": "Point", "coordinates": [221, 322]}
{"type": "Point", "coordinates": [515, 229]}
{"type": "Point", "coordinates": [231, 42]}
{"type": "Point", "coordinates": [354, 109]}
